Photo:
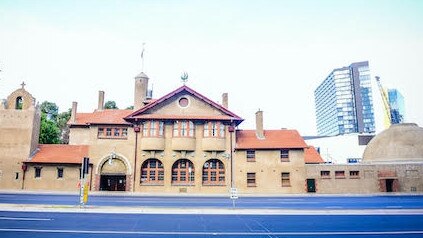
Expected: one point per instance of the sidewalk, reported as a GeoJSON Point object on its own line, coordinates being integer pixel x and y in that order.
{"type": "Point", "coordinates": [211, 211]}
{"type": "Point", "coordinates": [141, 194]}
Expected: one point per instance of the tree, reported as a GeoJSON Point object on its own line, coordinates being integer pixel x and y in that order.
{"type": "Point", "coordinates": [62, 120]}
{"type": "Point", "coordinates": [110, 105]}
{"type": "Point", "coordinates": [49, 132]}
{"type": "Point", "coordinates": [50, 109]}
{"type": "Point", "coordinates": [54, 128]}
{"type": "Point", "coordinates": [130, 107]}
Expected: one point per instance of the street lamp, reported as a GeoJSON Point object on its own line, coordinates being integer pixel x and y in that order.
{"type": "Point", "coordinates": [111, 157]}
{"type": "Point", "coordinates": [231, 130]}
{"type": "Point", "coordinates": [233, 190]}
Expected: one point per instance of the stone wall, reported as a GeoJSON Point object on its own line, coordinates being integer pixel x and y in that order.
{"type": "Point", "coordinates": [372, 178]}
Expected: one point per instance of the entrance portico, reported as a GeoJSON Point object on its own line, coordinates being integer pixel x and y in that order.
{"type": "Point", "coordinates": [113, 174]}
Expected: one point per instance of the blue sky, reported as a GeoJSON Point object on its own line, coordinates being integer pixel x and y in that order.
{"type": "Point", "coordinates": [266, 54]}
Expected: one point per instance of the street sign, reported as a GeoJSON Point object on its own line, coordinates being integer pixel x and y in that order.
{"type": "Point", "coordinates": [233, 196]}
{"type": "Point", "coordinates": [234, 193]}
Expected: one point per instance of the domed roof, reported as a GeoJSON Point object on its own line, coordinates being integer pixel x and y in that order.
{"type": "Point", "coordinates": [400, 142]}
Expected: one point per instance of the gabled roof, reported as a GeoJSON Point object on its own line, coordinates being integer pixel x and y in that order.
{"type": "Point", "coordinates": [184, 117]}
{"type": "Point", "coordinates": [274, 139]}
{"type": "Point", "coordinates": [139, 114]}
{"type": "Point", "coordinates": [311, 156]}
{"type": "Point", "coordinates": [107, 116]}
{"type": "Point", "coordinates": [66, 154]}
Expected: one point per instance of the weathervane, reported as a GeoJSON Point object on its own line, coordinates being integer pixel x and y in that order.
{"type": "Point", "coordinates": [184, 77]}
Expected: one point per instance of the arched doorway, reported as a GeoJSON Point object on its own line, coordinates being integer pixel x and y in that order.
{"type": "Point", "coordinates": [183, 172]}
{"type": "Point", "coordinates": [113, 175]}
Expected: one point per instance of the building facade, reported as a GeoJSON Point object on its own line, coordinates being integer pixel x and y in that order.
{"type": "Point", "coordinates": [344, 101]}
{"type": "Point", "coordinates": [19, 131]}
{"type": "Point", "coordinates": [183, 142]}
{"type": "Point", "coordinates": [392, 162]}
{"type": "Point", "coordinates": [396, 104]}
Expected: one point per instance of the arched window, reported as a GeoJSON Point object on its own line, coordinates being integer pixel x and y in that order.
{"type": "Point", "coordinates": [183, 172]}
{"type": "Point", "coordinates": [213, 172]}
{"type": "Point", "coordinates": [19, 103]}
{"type": "Point", "coordinates": [152, 172]}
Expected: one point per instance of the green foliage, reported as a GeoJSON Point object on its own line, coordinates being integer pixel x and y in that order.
{"type": "Point", "coordinates": [110, 105]}
{"type": "Point", "coordinates": [50, 109]}
{"type": "Point", "coordinates": [130, 108]}
{"type": "Point", "coordinates": [49, 132]}
{"type": "Point", "coordinates": [62, 120]}
{"type": "Point", "coordinates": [54, 128]}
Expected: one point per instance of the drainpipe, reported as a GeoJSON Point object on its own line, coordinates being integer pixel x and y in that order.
{"type": "Point", "coordinates": [24, 168]}
{"type": "Point", "coordinates": [231, 130]}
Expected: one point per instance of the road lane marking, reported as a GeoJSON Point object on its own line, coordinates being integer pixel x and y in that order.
{"type": "Point", "coordinates": [204, 210]}
{"type": "Point", "coordinates": [25, 219]}
{"type": "Point", "coordinates": [210, 233]}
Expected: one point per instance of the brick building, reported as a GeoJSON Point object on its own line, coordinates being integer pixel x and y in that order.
{"type": "Point", "coordinates": [182, 142]}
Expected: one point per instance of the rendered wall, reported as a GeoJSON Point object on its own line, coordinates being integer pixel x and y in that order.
{"type": "Point", "coordinates": [79, 136]}
{"type": "Point", "coordinates": [268, 168]}
{"type": "Point", "coordinates": [49, 180]}
{"type": "Point", "coordinates": [371, 179]}
{"type": "Point", "coordinates": [19, 130]}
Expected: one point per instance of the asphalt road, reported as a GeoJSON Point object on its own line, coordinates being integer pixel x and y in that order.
{"type": "Point", "coordinates": [288, 202]}
{"type": "Point", "coordinates": [40, 224]}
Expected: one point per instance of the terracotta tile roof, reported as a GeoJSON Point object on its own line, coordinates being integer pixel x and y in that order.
{"type": "Point", "coordinates": [184, 117]}
{"type": "Point", "coordinates": [274, 139]}
{"type": "Point", "coordinates": [66, 154]}
{"type": "Point", "coordinates": [140, 112]}
{"type": "Point", "coordinates": [108, 116]}
{"type": "Point", "coordinates": [311, 156]}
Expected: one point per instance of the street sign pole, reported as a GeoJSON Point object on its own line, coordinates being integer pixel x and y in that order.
{"type": "Point", "coordinates": [233, 191]}
{"type": "Point", "coordinates": [83, 191]}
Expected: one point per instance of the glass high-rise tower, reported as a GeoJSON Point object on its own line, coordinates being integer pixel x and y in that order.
{"type": "Point", "coordinates": [396, 103]}
{"type": "Point", "coordinates": [344, 102]}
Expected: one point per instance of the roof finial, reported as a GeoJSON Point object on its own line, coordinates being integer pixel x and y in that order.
{"type": "Point", "coordinates": [142, 57]}
{"type": "Point", "coordinates": [184, 77]}
{"type": "Point", "coordinates": [23, 84]}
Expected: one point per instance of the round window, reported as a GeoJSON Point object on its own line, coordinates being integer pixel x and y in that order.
{"type": "Point", "coordinates": [183, 102]}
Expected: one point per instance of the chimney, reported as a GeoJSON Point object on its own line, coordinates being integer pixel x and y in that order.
{"type": "Point", "coordinates": [259, 124]}
{"type": "Point", "coordinates": [73, 113]}
{"type": "Point", "coordinates": [100, 101]}
{"type": "Point", "coordinates": [225, 100]}
{"type": "Point", "coordinates": [141, 87]}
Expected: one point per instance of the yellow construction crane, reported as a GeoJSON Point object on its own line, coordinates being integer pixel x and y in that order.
{"type": "Point", "coordinates": [392, 115]}
{"type": "Point", "coordinates": [384, 99]}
